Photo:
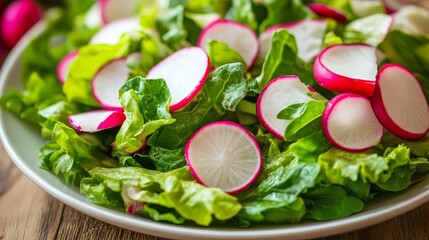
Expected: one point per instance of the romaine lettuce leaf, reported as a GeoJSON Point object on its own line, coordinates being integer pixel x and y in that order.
{"type": "Point", "coordinates": [280, 190]}
{"type": "Point", "coordinates": [146, 104]}
{"type": "Point", "coordinates": [70, 157]}
{"type": "Point", "coordinates": [370, 30]}
{"type": "Point", "coordinates": [175, 190]}
{"type": "Point", "coordinates": [220, 54]}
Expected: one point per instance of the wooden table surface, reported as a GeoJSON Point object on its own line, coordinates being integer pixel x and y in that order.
{"type": "Point", "coordinates": [27, 212]}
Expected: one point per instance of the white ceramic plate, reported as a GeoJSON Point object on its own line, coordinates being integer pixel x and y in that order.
{"type": "Point", "coordinates": [22, 141]}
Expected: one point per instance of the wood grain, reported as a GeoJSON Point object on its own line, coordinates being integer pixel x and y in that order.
{"type": "Point", "coordinates": [27, 212]}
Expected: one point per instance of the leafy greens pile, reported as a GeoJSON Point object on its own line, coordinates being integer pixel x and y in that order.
{"type": "Point", "coordinates": [304, 178]}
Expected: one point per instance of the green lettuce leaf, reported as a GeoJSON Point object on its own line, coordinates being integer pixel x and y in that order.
{"type": "Point", "coordinates": [330, 202]}
{"type": "Point", "coordinates": [370, 30]}
{"type": "Point", "coordinates": [242, 11]}
{"type": "Point", "coordinates": [308, 149]}
{"type": "Point", "coordinates": [70, 157]}
{"type": "Point", "coordinates": [146, 105]}
{"type": "Point", "coordinates": [175, 190]}
{"type": "Point", "coordinates": [279, 190]}
{"type": "Point", "coordinates": [220, 54]}
{"type": "Point", "coordinates": [282, 59]}
{"type": "Point", "coordinates": [281, 11]}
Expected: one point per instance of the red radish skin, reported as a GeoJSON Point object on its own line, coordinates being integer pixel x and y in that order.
{"type": "Point", "coordinates": [64, 66]}
{"type": "Point", "coordinates": [17, 18]}
{"type": "Point", "coordinates": [276, 95]}
{"type": "Point", "coordinates": [306, 33]}
{"type": "Point", "coordinates": [326, 11]}
{"type": "Point", "coordinates": [246, 140]}
{"type": "Point", "coordinates": [360, 79]}
{"type": "Point", "coordinates": [392, 6]}
{"type": "Point", "coordinates": [185, 73]}
{"type": "Point", "coordinates": [400, 104]}
{"type": "Point", "coordinates": [112, 32]}
{"type": "Point", "coordinates": [347, 117]}
{"type": "Point", "coordinates": [112, 10]}
{"type": "Point", "coordinates": [107, 82]}
{"type": "Point", "coordinates": [96, 120]}
{"type": "Point", "coordinates": [237, 35]}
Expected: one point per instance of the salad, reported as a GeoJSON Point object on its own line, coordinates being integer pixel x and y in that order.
{"type": "Point", "coordinates": [230, 113]}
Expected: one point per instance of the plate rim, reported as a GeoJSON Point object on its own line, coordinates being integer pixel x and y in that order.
{"type": "Point", "coordinates": [147, 226]}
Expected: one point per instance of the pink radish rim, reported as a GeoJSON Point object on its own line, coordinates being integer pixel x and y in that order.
{"type": "Point", "coordinates": [321, 71]}
{"type": "Point", "coordinates": [323, 10]}
{"type": "Point", "coordinates": [117, 116]}
{"type": "Point", "coordinates": [65, 62]}
{"type": "Point", "coordinates": [245, 131]}
{"type": "Point", "coordinates": [105, 106]}
{"type": "Point", "coordinates": [103, 5]}
{"type": "Point", "coordinates": [258, 104]}
{"type": "Point", "coordinates": [182, 103]}
{"type": "Point", "coordinates": [381, 112]}
{"type": "Point", "coordinates": [226, 21]}
{"type": "Point", "coordinates": [327, 113]}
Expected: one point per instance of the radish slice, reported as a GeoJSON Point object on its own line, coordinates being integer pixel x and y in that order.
{"type": "Point", "coordinates": [107, 82]}
{"type": "Point", "coordinates": [350, 124]}
{"type": "Point", "coordinates": [112, 32]}
{"type": "Point", "coordinates": [238, 36]}
{"type": "Point", "coordinates": [224, 155]}
{"type": "Point", "coordinates": [326, 11]}
{"type": "Point", "coordinates": [347, 68]}
{"type": "Point", "coordinates": [308, 35]}
{"type": "Point", "coordinates": [64, 66]}
{"type": "Point", "coordinates": [395, 5]}
{"type": "Point", "coordinates": [184, 72]}
{"type": "Point", "coordinates": [412, 20]}
{"type": "Point", "coordinates": [96, 120]}
{"type": "Point", "coordinates": [277, 95]}
{"type": "Point", "coordinates": [399, 103]}
{"type": "Point", "coordinates": [112, 10]}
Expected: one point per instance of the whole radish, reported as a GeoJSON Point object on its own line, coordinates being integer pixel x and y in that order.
{"type": "Point", "coordinates": [18, 17]}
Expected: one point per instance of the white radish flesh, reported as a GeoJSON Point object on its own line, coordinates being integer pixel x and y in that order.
{"type": "Point", "coordinates": [277, 95]}
{"type": "Point", "coordinates": [96, 120]}
{"type": "Point", "coordinates": [224, 155]}
{"type": "Point", "coordinates": [400, 104]}
{"type": "Point", "coordinates": [326, 11]}
{"type": "Point", "coordinates": [412, 20]}
{"type": "Point", "coordinates": [349, 123]}
{"type": "Point", "coordinates": [308, 36]}
{"type": "Point", "coordinates": [107, 82]}
{"type": "Point", "coordinates": [63, 67]}
{"type": "Point", "coordinates": [347, 68]}
{"type": "Point", "coordinates": [112, 32]}
{"type": "Point", "coordinates": [184, 72]}
{"type": "Point", "coordinates": [238, 36]}
{"type": "Point", "coordinates": [112, 10]}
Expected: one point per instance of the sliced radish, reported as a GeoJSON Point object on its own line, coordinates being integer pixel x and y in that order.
{"type": "Point", "coordinates": [224, 155]}
{"type": "Point", "coordinates": [184, 72]}
{"type": "Point", "coordinates": [64, 66]}
{"type": "Point", "coordinates": [399, 103]}
{"type": "Point", "coordinates": [238, 36]}
{"type": "Point", "coordinates": [350, 124]}
{"type": "Point", "coordinates": [277, 95]}
{"type": "Point", "coordinates": [96, 120]}
{"type": "Point", "coordinates": [112, 10]}
{"type": "Point", "coordinates": [347, 68]}
{"type": "Point", "coordinates": [326, 11]}
{"type": "Point", "coordinates": [112, 32]}
{"type": "Point", "coordinates": [395, 5]}
{"type": "Point", "coordinates": [308, 35]}
{"type": "Point", "coordinates": [107, 82]}
{"type": "Point", "coordinates": [412, 20]}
